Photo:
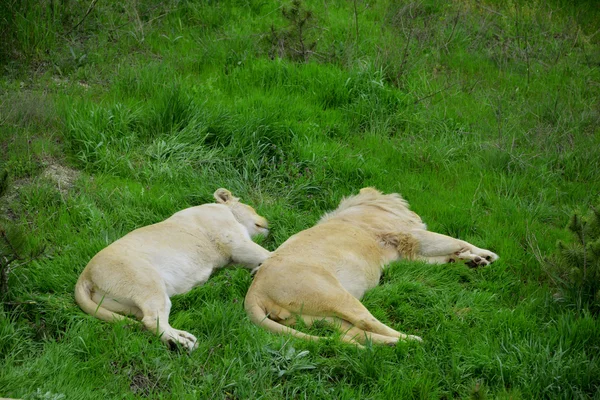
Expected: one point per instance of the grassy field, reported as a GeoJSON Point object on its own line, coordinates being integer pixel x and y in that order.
{"type": "Point", "coordinates": [484, 115]}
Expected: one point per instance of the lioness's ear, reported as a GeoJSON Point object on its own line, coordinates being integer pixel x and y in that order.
{"type": "Point", "coordinates": [369, 190]}
{"type": "Point", "coordinates": [223, 196]}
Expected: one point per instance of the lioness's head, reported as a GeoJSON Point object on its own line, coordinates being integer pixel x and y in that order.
{"type": "Point", "coordinates": [245, 215]}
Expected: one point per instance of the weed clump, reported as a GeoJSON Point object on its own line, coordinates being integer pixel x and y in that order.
{"type": "Point", "coordinates": [576, 266]}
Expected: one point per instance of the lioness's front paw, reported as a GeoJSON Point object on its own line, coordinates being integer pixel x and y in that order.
{"type": "Point", "coordinates": [255, 270]}
{"type": "Point", "coordinates": [481, 258]}
{"type": "Point", "coordinates": [477, 261]}
{"type": "Point", "coordinates": [488, 255]}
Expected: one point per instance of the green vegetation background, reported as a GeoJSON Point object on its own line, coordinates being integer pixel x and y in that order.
{"type": "Point", "coordinates": [484, 115]}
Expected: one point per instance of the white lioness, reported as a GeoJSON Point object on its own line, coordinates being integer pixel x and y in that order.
{"type": "Point", "coordinates": [138, 273]}
{"type": "Point", "coordinates": [320, 273]}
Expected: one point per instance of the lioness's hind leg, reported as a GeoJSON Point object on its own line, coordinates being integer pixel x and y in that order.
{"type": "Point", "coordinates": [156, 319]}
{"type": "Point", "coordinates": [123, 307]}
{"type": "Point", "coordinates": [354, 334]}
{"type": "Point", "coordinates": [354, 312]}
{"type": "Point", "coordinates": [350, 333]}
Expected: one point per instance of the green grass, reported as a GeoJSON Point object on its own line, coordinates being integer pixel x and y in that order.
{"type": "Point", "coordinates": [485, 116]}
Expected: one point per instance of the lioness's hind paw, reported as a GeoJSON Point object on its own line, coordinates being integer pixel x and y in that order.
{"type": "Point", "coordinates": [183, 338]}
{"type": "Point", "coordinates": [415, 338]}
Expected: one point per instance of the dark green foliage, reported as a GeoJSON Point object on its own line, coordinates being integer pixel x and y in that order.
{"type": "Point", "coordinates": [15, 249]}
{"type": "Point", "coordinates": [3, 182]}
{"type": "Point", "coordinates": [577, 263]}
{"type": "Point", "coordinates": [13, 243]}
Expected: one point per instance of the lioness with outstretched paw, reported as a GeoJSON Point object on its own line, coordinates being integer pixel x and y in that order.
{"type": "Point", "coordinates": [138, 273]}
{"type": "Point", "coordinates": [322, 272]}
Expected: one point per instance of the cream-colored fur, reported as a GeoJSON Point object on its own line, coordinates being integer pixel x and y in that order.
{"type": "Point", "coordinates": [322, 272]}
{"type": "Point", "coordinates": [138, 273]}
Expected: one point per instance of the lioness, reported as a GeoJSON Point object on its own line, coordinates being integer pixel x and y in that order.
{"type": "Point", "coordinates": [138, 273]}
{"type": "Point", "coordinates": [320, 273]}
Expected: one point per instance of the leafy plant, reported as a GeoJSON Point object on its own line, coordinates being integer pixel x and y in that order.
{"type": "Point", "coordinates": [40, 395]}
{"type": "Point", "coordinates": [287, 361]}
{"type": "Point", "coordinates": [576, 266]}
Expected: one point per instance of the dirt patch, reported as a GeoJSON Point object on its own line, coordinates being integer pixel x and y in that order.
{"type": "Point", "coordinates": [141, 385]}
{"type": "Point", "coordinates": [64, 177]}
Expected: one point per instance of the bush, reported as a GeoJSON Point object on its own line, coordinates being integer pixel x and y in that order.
{"type": "Point", "coordinates": [576, 266]}
{"type": "Point", "coordinates": [295, 41]}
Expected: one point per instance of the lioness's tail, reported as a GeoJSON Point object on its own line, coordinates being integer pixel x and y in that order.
{"type": "Point", "coordinates": [259, 316]}
{"type": "Point", "coordinates": [83, 296]}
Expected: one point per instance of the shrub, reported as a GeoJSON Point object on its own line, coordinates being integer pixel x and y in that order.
{"type": "Point", "coordinates": [295, 41]}
{"type": "Point", "coordinates": [576, 266]}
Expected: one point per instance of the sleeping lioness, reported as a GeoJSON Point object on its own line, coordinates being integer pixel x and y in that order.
{"type": "Point", "coordinates": [138, 273]}
{"type": "Point", "coordinates": [322, 272]}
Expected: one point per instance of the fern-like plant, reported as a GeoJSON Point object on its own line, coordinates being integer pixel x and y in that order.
{"type": "Point", "coordinates": [576, 265]}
